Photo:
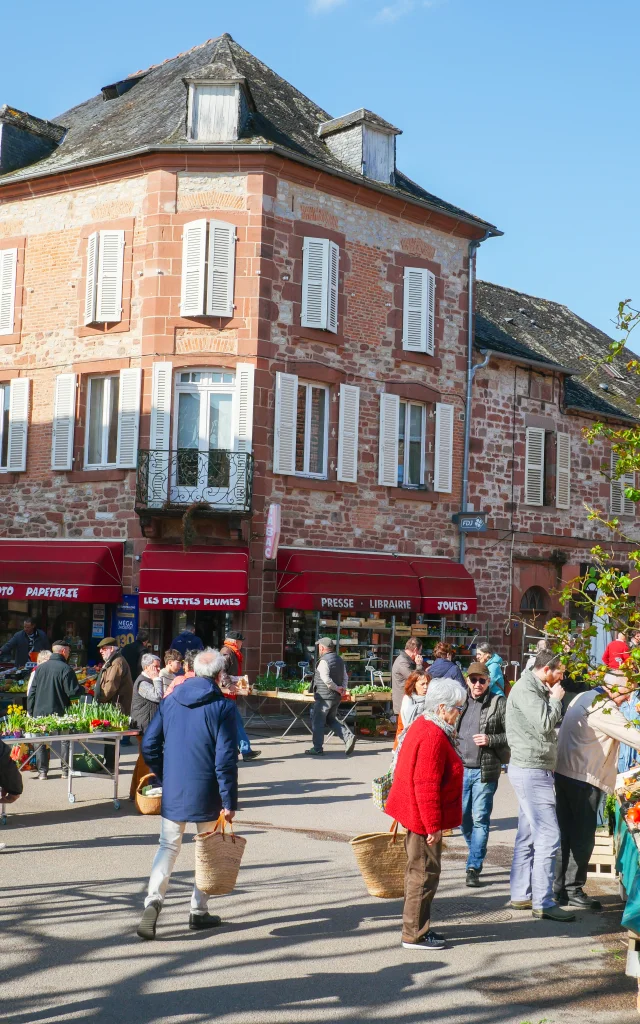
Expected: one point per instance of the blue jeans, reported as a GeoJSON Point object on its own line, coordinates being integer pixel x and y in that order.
{"type": "Point", "coordinates": [538, 836]}
{"type": "Point", "coordinates": [477, 804]}
{"type": "Point", "coordinates": [244, 745]}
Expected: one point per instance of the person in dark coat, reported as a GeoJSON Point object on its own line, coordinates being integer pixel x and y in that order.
{"type": "Point", "coordinates": [187, 641]}
{"type": "Point", "coordinates": [53, 687]}
{"type": "Point", "coordinates": [191, 746]}
{"type": "Point", "coordinates": [444, 667]}
{"type": "Point", "coordinates": [10, 777]}
{"type": "Point", "coordinates": [147, 694]}
{"type": "Point", "coordinates": [132, 653]}
{"type": "Point", "coordinates": [407, 662]}
{"type": "Point", "coordinates": [26, 641]}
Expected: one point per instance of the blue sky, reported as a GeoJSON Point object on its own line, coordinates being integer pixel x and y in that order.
{"type": "Point", "coordinates": [523, 113]}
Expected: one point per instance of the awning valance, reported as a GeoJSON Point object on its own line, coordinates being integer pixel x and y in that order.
{"type": "Point", "coordinates": [344, 582]}
{"type": "Point", "coordinates": [61, 570]}
{"type": "Point", "coordinates": [209, 579]}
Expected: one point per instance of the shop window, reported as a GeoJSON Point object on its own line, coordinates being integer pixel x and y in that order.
{"type": "Point", "coordinates": [411, 444]}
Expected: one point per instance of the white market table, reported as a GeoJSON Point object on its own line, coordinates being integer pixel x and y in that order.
{"type": "Point", "coordinates": [297, 704]}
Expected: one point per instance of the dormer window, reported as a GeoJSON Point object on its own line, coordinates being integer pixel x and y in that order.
{"type": "Point", "coordinates": [217, 110]}
{"type": "Point", "coordinates": [364, 142]}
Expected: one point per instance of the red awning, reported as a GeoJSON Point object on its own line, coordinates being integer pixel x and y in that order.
{"type": "Point", "coordinates": [212, 579]}
{"type": "Point", "coordinates": [61, 570]}
{"type": "Point", "coordinates": [331, 581]}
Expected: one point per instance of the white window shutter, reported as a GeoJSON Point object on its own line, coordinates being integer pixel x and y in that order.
{"type": "Point", "coordinates": [388, 447]}
{"type": "Point", "coordinates": [534, 467]}
{"type": "Point", "coordinates": [110, 267]}
{"type": "Point", "coordinates": [64, 421]}
{"type": "Point", "coordinates": [8, 266]}
{"type": "Point", "coordinates": [159, 434]}
{"type": "Point", "coordinates": [332, 297]}
{"type": "Point", "coordinates": [418, 329]}
{"type": "Point", "coordinates": [220, 276]}
{"type": "Point", "coordinates": [284, 435]}
{"type": "Point", "coordinates": [563, 470]}
{"type": "Point", "coordinates": [93, 245]}
{"type": "Point", "coordinates": [18, 425]}
{"type": "Point", "coordinates": [128, 418]}
{"type": "Point", "coordinates": [243, 406]}
{"type": "Point", "coordinates": [194, 248]}
{"type": "Point", "coordinates": [315, 282]}
{"type": "Point", "coordinates": [443, 459]}
{"type": "Point", "coordinates": [348, 433]}
{"type": "Point", "coordinates": [621, 505]}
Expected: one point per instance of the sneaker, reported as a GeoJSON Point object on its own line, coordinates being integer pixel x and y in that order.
{"type": "Point", "coordinates": [349, 745]}
{"type": "Point", "coordinates": [554, 914]}
{"type": "Point", "coordinates": [578, 898]}
{"type": "Point", "coordinates": [314, 752]}
{"type": "Point", "coordinates": [42, 776]}
{"type": "Point", "coordinates": [65, 773]}
{"type": "Point", "coordinates": [148, 921]}
{"type": "Point", "coordinates": [431, 941]}
{"type": "Point", "coordinates": [521, 904]}
{"type": "Point", "coordinates": [473, 878]}
{"type": "Point", "coordinates": [251, 755]}
{"type": "Point", "coordinates": [200, 921]}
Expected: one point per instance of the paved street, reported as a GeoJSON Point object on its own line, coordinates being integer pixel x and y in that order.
{"type": "Point", "coordinates": [303, 941]}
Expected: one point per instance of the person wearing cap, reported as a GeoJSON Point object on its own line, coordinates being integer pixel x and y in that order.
{"type": "Point", "coordinates": [588, 746]}
{"type": "Point", "coordinates": [329, 687]}
{"type": "Point", "coordinates": [53, 687]}
{"type": "Point", "coordinates": [482, 743]}
{"type": "Point", "coordinates": [231, 652]}
{"type": "Point", "coordinates": [114, 685]}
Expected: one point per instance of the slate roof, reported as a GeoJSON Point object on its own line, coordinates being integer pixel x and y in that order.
{"type": "Point", "coordinates": [153, 114]}
{"type": "Point", "coordinates": [529, 327]}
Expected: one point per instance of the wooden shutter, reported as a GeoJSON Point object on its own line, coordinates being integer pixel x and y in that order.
{"type": "Point", "coordinates": [332, 297]}
{"type": "Point", "coordinates": [443, 458]}
{"type": "Point", "coordinates": [194, 242]}
{"type": "Point", "coordinates": [222, 251]}
{"type": "Point", "coordinates": [534, 467]}
{"type": "Point", "coordinates": [348, 433]}
{"type": "Point", "coordinates": [243, 407]}
{"type": "Point", "coordinates": [388, 447]}
{"type": "Point", "coordinates": [315, 282]}
{"type": "Point", "coordinates": [64, 421]}
{"type": "Point", "coordinates": [92, 278]}
{"type": "Point", "coordinates": [128, 418]}
{"type": "Point", "coordinates": [18, 425]}
{"type": "Point", "coordinates": [159, 434]}
{"type": "Point", "coordinates": [418, 328]}
{"type": "Point", "coordinates": [563, 470]}
{"type": "Point", "coordinates": [620, 505]}
{"type": "Point", "coordinates": [284, 435]}
{"type": "Point", "coordinates": [110, 264]}
{"type": "Point", "coordinates": [8, 265]}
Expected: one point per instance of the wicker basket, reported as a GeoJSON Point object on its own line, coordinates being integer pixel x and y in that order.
{"type": "Point", "coordinates": [218, 856]}
{"type": "Point", "coordinates": [147, 804]}
{"type": "Point", "coordinates": [382, 861]}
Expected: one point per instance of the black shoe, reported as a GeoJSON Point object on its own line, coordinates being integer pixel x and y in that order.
{"type": "Point", "coordinates": [198, 921]}
{"type": "Point", "coordinates": [251, 755]}
{"type": "Point", "coordinates": [148, 921]}
{"type": "Point", "coordinates": [578, 899]}
{"type": "Point", "coordinates": [473, 878]}
{"type": "Point", "coordinates": [431, 941]}
{"type": "Point", "coordinates": [314, 752]}
{"type": "Point", "coordinates": [349, 745]}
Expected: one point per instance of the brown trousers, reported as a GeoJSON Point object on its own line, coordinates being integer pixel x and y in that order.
{"type": "Point", "coordinates": [420, 884]}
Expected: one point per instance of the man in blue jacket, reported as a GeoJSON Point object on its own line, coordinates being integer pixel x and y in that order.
{"type": "Point", "coordinates": [191, 746]}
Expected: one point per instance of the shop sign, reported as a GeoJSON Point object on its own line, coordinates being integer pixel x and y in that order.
{"type": "Point", "coordinates": [97, 630]}
{"type": "Point", "coordinates": [20, 591]}
{"type": "Point", "coordinates": [378, 604]}
{"type": "Point", "coordinates": [272, 531]}
{"type": "Point", "coordinates": [470, 522]}
{"type": "Point", "coordinates": [179, 601]}
{"type": "Point", "coordinates": [125, 620]}
{"type": "Point", "coordinates": [450, 606]}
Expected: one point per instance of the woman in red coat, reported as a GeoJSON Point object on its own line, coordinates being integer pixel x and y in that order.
{"type": "Point", "coordinates": [426, 797]}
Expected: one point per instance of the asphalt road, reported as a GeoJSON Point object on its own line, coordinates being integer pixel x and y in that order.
{"type": "Point", "coordinates": [302, 942]}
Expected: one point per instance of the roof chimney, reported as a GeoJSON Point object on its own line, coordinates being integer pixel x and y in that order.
{"type": "Point", "coordinates": [24, 139]}
{"type": "Point", "coordinates": [364, 142]}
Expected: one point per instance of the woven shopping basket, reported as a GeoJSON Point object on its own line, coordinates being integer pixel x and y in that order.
{"type": "Point", "coordinates": [147, 804]}
{"type": "Point", "coordinates": [382, 861]}
{"type": "Point", "coordinates": [218, 856]}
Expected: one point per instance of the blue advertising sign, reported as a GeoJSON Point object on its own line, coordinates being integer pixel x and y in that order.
{"type": "Point", "coordinates": [125, 619]}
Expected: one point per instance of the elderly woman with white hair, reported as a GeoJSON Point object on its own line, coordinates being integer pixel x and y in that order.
{"type": "Point", "coordinates": [426, 797]}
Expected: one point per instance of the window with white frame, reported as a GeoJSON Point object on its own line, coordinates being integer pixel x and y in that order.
{"type": "Point", "coordinates": [208, 268]}
{"type": "Point", "coordinates": [405, 457]}
{"type": "Point", "coordinates": [113, 412]}
{"type": "Point", "coordinates": [312, 420]}
{"type": "Point", "coordinates": [411, 444]}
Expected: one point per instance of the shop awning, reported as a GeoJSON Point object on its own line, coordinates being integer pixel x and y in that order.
{"type": "Point", "coordinates": [344, 582]}
{"type": "Point", "coordinates": [61, 570]}
{"type": "Point", "coordinates": [210, 579]}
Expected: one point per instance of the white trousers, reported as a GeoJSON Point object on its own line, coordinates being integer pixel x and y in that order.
{"type": "Point", "coordinates": [171, 833]}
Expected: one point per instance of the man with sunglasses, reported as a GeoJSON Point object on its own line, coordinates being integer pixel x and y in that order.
{"type": "Point", "coordinates": [482, 741]}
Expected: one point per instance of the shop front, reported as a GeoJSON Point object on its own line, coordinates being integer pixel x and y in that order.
{"type": "Point", "coordinates": [205, 587]}
{"type": "Point", "coordinates": [370, 604]}
{"type": "Point", "coordinates": [69, 588]}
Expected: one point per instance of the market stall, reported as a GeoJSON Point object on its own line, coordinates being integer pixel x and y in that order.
{"type": "Point", "coordinates": [627, 850]}
{"type": "Point", "coordinates": [297, 702]}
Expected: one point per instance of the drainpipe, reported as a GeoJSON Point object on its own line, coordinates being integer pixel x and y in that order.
{"type": "Point", "coordinates": [471, 372]}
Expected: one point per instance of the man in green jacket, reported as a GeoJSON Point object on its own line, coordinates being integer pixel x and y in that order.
{"type": "Point", "coordinates": [534, 709]}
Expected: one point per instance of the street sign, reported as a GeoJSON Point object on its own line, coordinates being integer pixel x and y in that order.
{"type": "Point", "coordinates": [470, 522]}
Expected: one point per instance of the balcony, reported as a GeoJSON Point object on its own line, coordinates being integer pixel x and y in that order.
{"type": "Point", "coordinates": [168, 482]}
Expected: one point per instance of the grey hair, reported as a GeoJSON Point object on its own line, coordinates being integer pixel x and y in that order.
{"type": "Point", "coordinates": [485, 648]}
{"type": "Point", "coordinates": [444, 691]}
{"type": "Point", "coordinates": [208, 663]}
{"type": "Point", "coordinates": [148, 659]}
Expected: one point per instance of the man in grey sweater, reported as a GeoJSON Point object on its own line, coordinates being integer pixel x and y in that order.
{"type": "Point", "coordinates": [534, 709]}
{"type": "Point", "coordinates": [329, 687]}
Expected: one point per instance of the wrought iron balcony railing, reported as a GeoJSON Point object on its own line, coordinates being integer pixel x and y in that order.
{"type": "Point", "coordinates": [169, 481]}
